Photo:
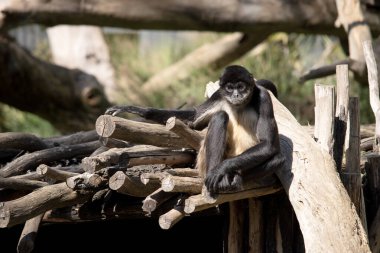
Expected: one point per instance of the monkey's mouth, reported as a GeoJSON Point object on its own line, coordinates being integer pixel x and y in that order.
{"type": "Point", "coordinates": [237, 101]}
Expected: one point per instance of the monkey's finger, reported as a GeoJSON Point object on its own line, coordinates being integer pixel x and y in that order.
{"type": "Point", "coordinates": [215, 183]}
{"type": "Point", "coordinates": [224, 184]}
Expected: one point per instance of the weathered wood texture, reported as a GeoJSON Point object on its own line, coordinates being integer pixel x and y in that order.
{"type": "Point", "coordinates": [341, 114]}
{"type": "Point", "coordinates": [182, 184]}
{"type": "Point", "coordinates": [256, 226]}
{"type": "Point", "coordinates": [137, 132]}
{"type": "Point", "coordinates": [351, 174]}
{"type": "Point", "coordinates": [129, 185]}
{"type": "Point", "coordinates": [29, 234]}
{"type": "Point", "coordinates": [250, 16]}
{"type": "Point", "coordinates": [312, 183]}
{"type": "Point", "coordinates": [351, 17]}
{"type": "Point", "coordinates": [32, 160]}
{"type": "Point", "coordinates": [192, 137]}
{"type": "Point", "coordinates": [84, 47]}
{"type": "Point", "coordinates": [37, 202]}
{"type": "Point", "coordinates": [72, 98]}
{"type": "Point", "coordinates": [53, 173]}
{"type": "Point", "coordinates": [137, 155]}
{"type": "Point", "coordinates": [324, 116]}
{"type": "Point", "coordinates": [373, 88]}
{"type": "Point", "coordinates": [236, 227]}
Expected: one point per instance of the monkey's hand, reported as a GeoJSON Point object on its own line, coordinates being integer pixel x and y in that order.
{"type": "Point", "coordinates": [218, 180]}
{"type": "Point", "coordinates": [117, 109]}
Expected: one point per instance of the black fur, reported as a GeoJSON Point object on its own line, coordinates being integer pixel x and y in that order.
{"type": "Point", "coordinates": [251, 103]}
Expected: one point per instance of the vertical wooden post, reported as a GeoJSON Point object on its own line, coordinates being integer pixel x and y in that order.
{"type": "Point", "coordinates": [236, 227]}
{"type": "Point", "coordinates": [373, 181]}
{"type": "Point", "coordinates": [351, 176]}
{"type": "Point", "coordinates": [373, 83]}
{"type": "Point", "coordinates": [374, 234]}
{"type": "Point", "coordinates": [341, 113]}
{"type": "Point", "coordinates": [256, 226]}
{"type": "Point", "coordinates": [324, 116]}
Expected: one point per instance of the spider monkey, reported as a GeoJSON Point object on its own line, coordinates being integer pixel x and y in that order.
{"type": "Point", "coordinates": [242, 136]}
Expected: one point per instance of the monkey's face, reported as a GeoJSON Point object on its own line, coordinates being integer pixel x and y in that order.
{"type": "Point", "coordinates": [237, 93]}
{"type": "Point", "coordinates": [237, 85]}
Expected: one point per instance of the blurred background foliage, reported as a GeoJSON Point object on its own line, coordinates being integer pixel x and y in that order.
{"type": "Point", "coordinates": [282, 58]}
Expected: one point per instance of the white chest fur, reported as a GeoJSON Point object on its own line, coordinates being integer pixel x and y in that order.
{"type": "Point", "coordinates": [241, 131]}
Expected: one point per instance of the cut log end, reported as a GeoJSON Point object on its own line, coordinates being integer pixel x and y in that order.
{"type": "Point", "coordinates": [42, 169]}
{"type": "Point", "coordinates": [4, 216]}
{"type": "Point", "coordinates": [149, 205]}
{"type": "Point", "coordinates": [170, 123]}
{"type": "Point", "coordinates": [117, 180]}
{"type": "Point", "coordinates": [105, 126]}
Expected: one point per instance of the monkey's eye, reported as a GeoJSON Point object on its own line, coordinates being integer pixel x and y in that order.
{"type": "Point", "coordinates": [241, 86]}
{"type": "Point", "coordinates": [229, 87]}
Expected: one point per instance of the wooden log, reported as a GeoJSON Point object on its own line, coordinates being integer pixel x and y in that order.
{"type": "Point", "coordinates": [37, 202]}
{"type": "Point", "coordinates": [341, 114]}
{"type": "Point", "coordinates": [351, 176]}
{"type": "Point", "coordinates": [183, 172]}
{"type": "Point", "coordinates": [176, 15]}
{"type": "Point", "coordinates": [28, 234]}
{"type": "Point", "coordinates": [198, 202]}
{"type": "Point", "coordinates": [137, 155]}
{"type": "Point", "coordinates": [22, 141]}
{"type": "Point", "coordinates": [81, 93]}
{"type": "Point", "coordinates": [74, 138]}
{"type": "Point", "coordinates": [374, 233]}
{"type": "Point", "coordinates": [349, 13]}
{"type": "Point", "coordinates": [310, 179]}
{"type": "Point", "coordinates": [373, 88]}
{"type": "Point", "coordinates": [133, 186]}
{"type": "Point", "coordinates": [182, 184]}
{"type": "Point", "coordinates": [256, 226]}
{"type": "Point", "coordinates": [155, 199]}
{"type": "Point", "coordinates": [172, 217]}
{"type": "Point", "coordinates": [32, 160]}
{"type": "Point", "coordinates": [324, 116]}
{"type": "Point", "coordinates": [153, 177]}
{"type": "Point", "coordinates": [52, 173]}
{"type": "Point", "coordinates": [112, 157]}
{"type": "Point", "coordinates": [366, 144]}
{"type": "Point", "coordinates": [71, 47]}
{"type": "Point", "coordinates": [86, 181]}
{"type": "Point", "coordinates": [114, 143]}
{"type": "Point", "coordinates": [21, 184]}
{"type": "Point", "coordinates": [236, 227]}
{"type": "Point", "coordinates": [373, 182]}
{"type": "Point", "coordinates": [30, 176]}
{"type": "Point", "coordinates": [137, 132]}
{"type": "Point", "coordinates": [191, 137]}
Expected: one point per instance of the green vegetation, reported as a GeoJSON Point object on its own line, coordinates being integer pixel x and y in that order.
{"type": "Point", "coordinates": [282, 58]}
{"type": "Point", "coordinates": [13, 120]}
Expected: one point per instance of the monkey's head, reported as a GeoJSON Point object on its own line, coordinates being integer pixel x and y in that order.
{"type": "Point", "coordinates": [237, 84]}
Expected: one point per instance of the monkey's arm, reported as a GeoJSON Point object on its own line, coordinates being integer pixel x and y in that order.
{"type": "Point", "coordinates": [157, 115]}
{"type": "Point", "coordinates": [258, 161]}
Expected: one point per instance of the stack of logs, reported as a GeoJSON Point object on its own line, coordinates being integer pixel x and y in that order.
{"type": "Point", "coordinates": [105, 174]}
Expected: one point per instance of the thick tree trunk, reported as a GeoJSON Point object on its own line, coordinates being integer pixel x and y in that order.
{"type": "Point", "coordinates": [70, 99]}
{"type": "Point", "coordinates": [322, 205]}
{"type": "Point", "coordinates": [250, 16]}
{"type": "Point", "coordinates": [84, 47]}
